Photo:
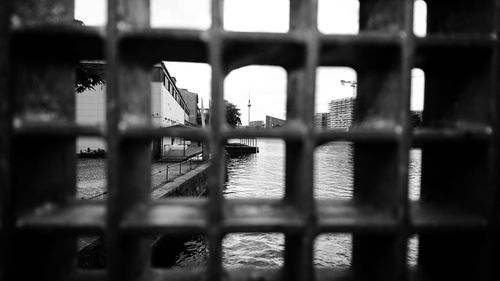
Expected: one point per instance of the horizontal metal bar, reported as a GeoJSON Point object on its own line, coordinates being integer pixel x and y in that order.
{"type": "Point", "coordinates": [63, 129]}
{"type": "Point", "coordinates": [245, 274]}
{"type": "Point", "coordinates": [261, 215]}
{"type": "Point", "coordinates": [347, 216]}
{"type": "Point", "coordinates": [180, 274]}
{"type": "Point", "coordinates": [88, 274]}
{"type": "Point", "coordinates": [157, 45]}
{"type": "Point", "coordinates": [188, 215]}
{"type": "Point", "coordinates": [359, 51]}
{"type": "Point", "coordinates": [168, 216]}
{"type": "Point", "coordinates": [154, 132]}
{"type": "Point", "coordinates": [445, 135]}
{"type": "Point", "coordinates": [457, 41]}
{"type": "Point", "coordinates": [69, 41]}
{"type": "Point", "coordinates": [365, 38]}
{"type": "Point", "coordinates": [290, 131]}
{"type": "Point", "coordinates": [79, 217]}
{"type": "Point", "coordinates": [359, 135]}
{"type": "Point", "coordinates": [425, 218]}
{"type": "Point", "coordinates": [246, 48]}
{"type": "Point", "coordinates": [442, 52]}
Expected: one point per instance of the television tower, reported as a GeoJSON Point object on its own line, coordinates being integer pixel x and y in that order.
{"type": "Point", "coordinates": [249, 105]}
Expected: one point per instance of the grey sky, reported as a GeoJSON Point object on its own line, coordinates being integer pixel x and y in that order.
{"type": "Point", "coordinates": [266, 85]}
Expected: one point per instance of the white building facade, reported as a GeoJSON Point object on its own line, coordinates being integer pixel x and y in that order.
{"type": "Point", "coordinates": [168, 108]}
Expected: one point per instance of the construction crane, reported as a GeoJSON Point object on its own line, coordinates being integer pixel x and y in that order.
{"type": "Point", "coordinates": [352, 83]}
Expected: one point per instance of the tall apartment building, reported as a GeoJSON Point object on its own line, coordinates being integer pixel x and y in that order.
{"type": "Point", "coordinates": [341, 113]}
{"type": "Point", "coordinates": [321, 120]}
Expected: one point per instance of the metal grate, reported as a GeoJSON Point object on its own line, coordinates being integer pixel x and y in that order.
{"type": "Point", "coordinates": [457, 217]}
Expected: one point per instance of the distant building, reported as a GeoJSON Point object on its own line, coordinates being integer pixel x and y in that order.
{"type": "Point", "coordinates": [416, 118]}
{"type": "Point", "coordinates": [191, 100]}
{"type": "Point", "coordinates": [321, 120]}
{"type": "Point", "coordinates": [341, 113]}
{"type": "Point", "coordinates": [257, 124]}
{"type": "Point", "coordinates": [168, 108]}
{"type": "Point", "coordinates": [273, 122]}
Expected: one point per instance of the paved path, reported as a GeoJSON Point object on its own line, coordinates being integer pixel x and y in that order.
{"type": "Point", "coordinates": [91, 176]}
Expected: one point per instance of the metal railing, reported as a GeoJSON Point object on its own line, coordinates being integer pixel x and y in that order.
{"type": "Point", "coordinates": [187, 164]}
{"type": "Point", "coordinates": [456, 219]}
{"type": "Point", "coordinates": [249, 142]}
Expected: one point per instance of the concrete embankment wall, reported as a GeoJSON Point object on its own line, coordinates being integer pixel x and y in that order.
{"type": "Point", "coordinates": [193, 183]}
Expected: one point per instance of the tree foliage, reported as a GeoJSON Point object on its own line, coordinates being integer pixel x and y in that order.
{"type": "Point", "coordinates": [86, 78]}
{"type": "Point", "coordinates": [233, 114]}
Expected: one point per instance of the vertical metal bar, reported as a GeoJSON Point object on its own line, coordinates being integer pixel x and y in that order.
{"type": "Point", "coordinates": [458, 176]}
{"type": "Point", "coordinates": [495, 222]}
{"type": "Point", "coordinates": [299, 154]}
{"type": "Point", "coordinates": [380, 170]}
{"type": "Point", "coordinates": [128, 104]}
{"type": "Point", "coordinates": [42, 93]}
{"type": "Point", "coordinates": [6, 202]}
{"type": "Point", "coordinates": [217, 125]}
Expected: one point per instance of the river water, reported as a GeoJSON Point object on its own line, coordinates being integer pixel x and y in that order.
{"type": "Point", "coordinates": [262, 175]}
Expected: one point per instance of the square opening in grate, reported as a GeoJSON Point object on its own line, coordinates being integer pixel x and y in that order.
{"type": "Point", "coordinates": [180, 14]}
{"type": "Point", "coordinates": [338, 16]}
{"type": "Point", "coordinates": [333, 250]}
{"type": "Point", "coordinates": [335, 98]}
{"type": "Point", "coordinates": [333, 170]}
{"type": "Point", "coordinates": [256, 15]}
{"type": "Point", "coordinates": [253, 250]}
{"type": "Point", "coordinates": [91, 252]}
{"type": "Point", "coordinates": [412, 253]}
{"type": "Point", "coordinates": [91, 12]}
{"type": "Point", "coordinates": [416, 115]}
{"type": "Point", "coordinates": [91, 169]}
{"type": "Point", "coordinates": [256, 97]}
{"type": "Point", "coordinates": [179, 110]}
{"type": "Point", "coordinates": [188, 251]}
{"type": "Point", "coordinates": [255, 168]}
{"type": "Point", "coordinates": [420, 18]}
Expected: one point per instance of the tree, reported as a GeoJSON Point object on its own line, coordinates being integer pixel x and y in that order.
{"type": "Point", "coordinates": [232, 114]}
{"type": "Point", "coordinates": [86, 77]}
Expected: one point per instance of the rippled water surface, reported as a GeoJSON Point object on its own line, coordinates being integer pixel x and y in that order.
{"type": "Point", "coordinates": [262, 176]}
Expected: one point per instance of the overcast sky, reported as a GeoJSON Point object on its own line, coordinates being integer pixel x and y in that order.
{"type": "Point", "coordinates": [265, 85]}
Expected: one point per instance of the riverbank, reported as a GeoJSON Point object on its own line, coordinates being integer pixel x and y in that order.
{"type": "Point", "coordinates": [91, 180]}
{"type": "Point", "coordinates": [193, 183]}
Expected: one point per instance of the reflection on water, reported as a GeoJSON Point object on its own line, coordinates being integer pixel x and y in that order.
{"type": "Point", "coordinates": [333, 177]}
{"type": "Point", "coordinates": [262, 175]}
{"type": "Point", "coordinates": [257, 175]}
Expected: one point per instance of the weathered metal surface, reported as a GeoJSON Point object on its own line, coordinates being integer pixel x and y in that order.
{"type": "Point", "coordinates": [457, 217]}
